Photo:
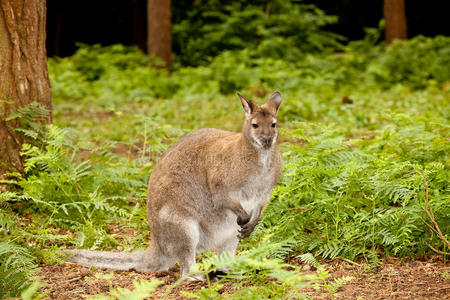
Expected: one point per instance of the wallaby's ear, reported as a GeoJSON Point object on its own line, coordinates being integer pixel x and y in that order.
{"type": "Point", "coordinates": [248, 105]}
{"type": "Point", "coordinates": [274, 102]}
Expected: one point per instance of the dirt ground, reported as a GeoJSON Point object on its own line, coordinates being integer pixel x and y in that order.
{"type": "Point", "coordinates": [393, 279]}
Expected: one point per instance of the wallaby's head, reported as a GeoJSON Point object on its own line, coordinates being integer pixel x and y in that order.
{"type": "Point", "coordinates": [260, 126]}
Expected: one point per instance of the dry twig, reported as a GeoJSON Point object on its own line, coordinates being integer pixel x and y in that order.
{"type": "Point", "coordinates": [429, 212]}
{"type": "Point", "coordinates": [349, 261]}
{"type": "Point", "coordinates": [438, 251]}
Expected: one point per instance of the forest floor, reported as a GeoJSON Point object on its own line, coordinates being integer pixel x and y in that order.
{"type": "Point", "coordinates": [393, 279]}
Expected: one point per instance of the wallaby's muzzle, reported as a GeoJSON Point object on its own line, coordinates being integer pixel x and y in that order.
{"type": "Point", "coordinates": [266, 142]}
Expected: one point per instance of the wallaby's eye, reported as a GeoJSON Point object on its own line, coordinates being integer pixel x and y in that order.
{"type": "Point", "coordinates": [274, 124]}
{"type": "Point", "coordinates": [255, 125]}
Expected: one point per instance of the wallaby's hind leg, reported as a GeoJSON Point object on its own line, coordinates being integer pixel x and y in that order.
{"type": "Point", "coordinates": [186, 252]}
{"type": "Point", "coordinates": [187, 261]}
{"type": "Point", "coordinates": [229, 248]}
{"type": "Point", "coordinates": [181, 246]}
{"type": "Point", "coordinates": [178, 238]}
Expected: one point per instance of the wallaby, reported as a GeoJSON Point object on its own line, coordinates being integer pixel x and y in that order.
{"type": "Point", "coordinates": [206, 192]}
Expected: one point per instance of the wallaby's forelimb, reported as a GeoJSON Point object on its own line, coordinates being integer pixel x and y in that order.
{"type": "Point", "coordinates": [235, 206]}
{"type": "Point", "coordinates": [246, 221]}
{"type": "Point", "coordinates": [247, 228]}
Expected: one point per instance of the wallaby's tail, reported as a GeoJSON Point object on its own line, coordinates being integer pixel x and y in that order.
{"type": "Point", "coordinates": [110, 260]}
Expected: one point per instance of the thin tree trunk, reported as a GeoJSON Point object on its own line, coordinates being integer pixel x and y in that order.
{"type": "Point", "coordinates": [23, 72]}
{"type": "Point", "coordinates": [159, 34]}
{"type": "Point", "coordinates": [394, 16]}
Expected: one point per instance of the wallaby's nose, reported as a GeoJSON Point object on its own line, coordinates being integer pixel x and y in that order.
{"type": "Point", "coordinates": [267, 141]}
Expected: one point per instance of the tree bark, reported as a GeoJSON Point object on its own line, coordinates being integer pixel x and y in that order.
{"type": "Point", "coordinates": [159, 34]}
{"type": "Point", "coordinates": [394, 16]}
{"type": "Point", "coordinates": [23, 73]}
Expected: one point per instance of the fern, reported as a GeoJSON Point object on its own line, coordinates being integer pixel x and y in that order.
{"type": "Point", "coordinates": [341, 202]}
{"type": "Point", "coordinates": [142, 290]}
{"type": "Point", "coordinates": [309, 259]}
{"type": "Point", "coordinates": [257, 274]}
{"type": "Point", "coordinates": [331, 250]}
{"type": "Point", "coordinates": [7, 196]}
{"type": "Point", "coordinates": [337, 283]}
{"type": "Point", "coordinates": [16, 268]}
{"type": "Point", "coordinates": [73, 191]}
{"type": "Point", "coordinates": [32, 117]}
{"type": "Point", "coordinates": [12, 281]}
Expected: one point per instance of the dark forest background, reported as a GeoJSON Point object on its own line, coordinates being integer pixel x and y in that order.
{"type": "Point", "coordinates": [124, 21]}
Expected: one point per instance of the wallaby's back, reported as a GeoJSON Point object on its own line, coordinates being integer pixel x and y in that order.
{"type": "Point", "coordinates": [201, 158]}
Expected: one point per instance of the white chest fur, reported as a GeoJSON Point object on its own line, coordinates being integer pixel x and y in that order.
{"type": "Point", "coordinates": [257, 190]}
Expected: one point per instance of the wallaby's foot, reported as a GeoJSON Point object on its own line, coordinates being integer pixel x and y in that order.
{"type": "Point", "coordinates": [218, 273]}
{"type": "Point", "coordinates": [212, 275]}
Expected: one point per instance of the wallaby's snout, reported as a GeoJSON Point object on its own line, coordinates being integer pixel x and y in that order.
{"type": "Point", "coordinates": [260, 125]}
{"type": "Point", "coordinates": [266, 141]}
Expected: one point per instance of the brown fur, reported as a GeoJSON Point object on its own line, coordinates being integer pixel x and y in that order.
{"type": "Point", "coordinates": [206, 192]}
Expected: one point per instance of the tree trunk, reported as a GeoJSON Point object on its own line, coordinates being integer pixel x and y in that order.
{"type": "Point", "coordinates": [394, 16]}
{"type": "Point", "coordinates": [159, 34]}
{"type": "Point", "coordinates": [23, 73]}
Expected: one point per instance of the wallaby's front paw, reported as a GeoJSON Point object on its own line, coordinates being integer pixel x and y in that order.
{"type": "Point", "coordinates": [246, 230]}
{"type": "Point", "coordinates": [242, 220]}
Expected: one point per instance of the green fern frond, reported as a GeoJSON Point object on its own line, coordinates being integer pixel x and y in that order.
{"type": "Point", "coordinates": [12, 281]}
{"type": "Point", "coordinates": [142, 290]}
{"type": "Point", "coordinates": [309, 259]}
{"type": "Point", "coordinates": [337, 283]}
{"type": "Point", "coordinates": [330, 250]}
{"type": "Point", "coordinates": [16, 267]}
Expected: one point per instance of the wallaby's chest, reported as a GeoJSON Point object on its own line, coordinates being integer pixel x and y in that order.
{"type": "Point", "coordinates": [258, 186]}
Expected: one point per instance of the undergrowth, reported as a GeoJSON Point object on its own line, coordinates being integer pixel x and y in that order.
{"type": "Point", "coordinates": [354, 196]}
{"type": "Point", "coordinates": [363, 130]}
{"type": "Point", "coordinates": [259, 272]}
